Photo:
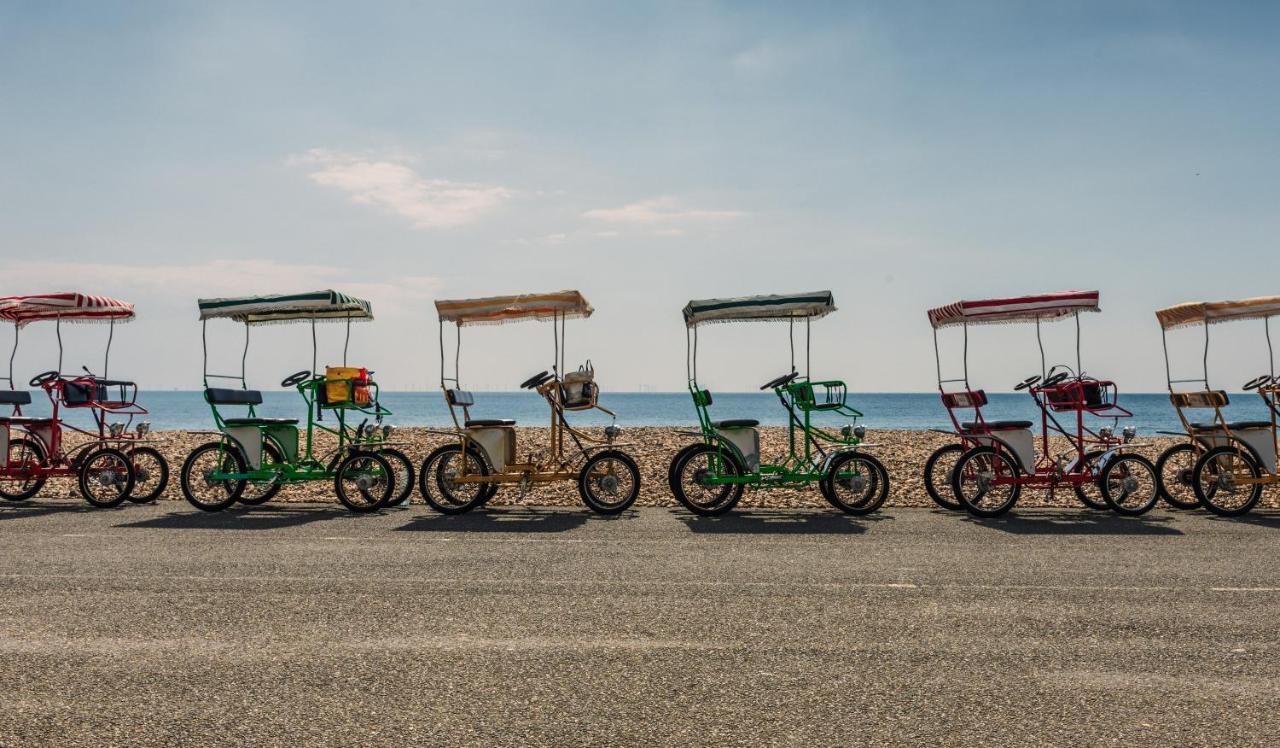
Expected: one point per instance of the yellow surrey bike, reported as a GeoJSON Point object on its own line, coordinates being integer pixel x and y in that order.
{"type": "Point", "coordinates": [1223, 465]}
{"type": "Point", "coordinates": [463, 475]}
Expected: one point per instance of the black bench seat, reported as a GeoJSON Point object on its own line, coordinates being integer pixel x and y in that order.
{"type": "Point", "coordinates": [24, 419]}
{"type": "Point", "coordinates": [260, 421]}
{"type": "Point", "coordinates": [1234, 426]}
{"type": "Point", "coordinates": [736, 423]}
{"type": "Point", "coordinates": [996, 425]}
{"type": "Point", "coordinates": [480, 423]}
{"type": "Point", "coordinates": [15, 397]}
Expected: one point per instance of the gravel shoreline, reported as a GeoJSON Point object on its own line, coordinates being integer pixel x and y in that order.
{"type": "Point", "coordinates": [902, 452]}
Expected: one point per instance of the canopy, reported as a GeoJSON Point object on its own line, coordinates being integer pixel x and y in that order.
{"type": "Point", "coordinates": [1048, 306]}
{"type": "Point", "coordinates": [495, 310]}
{"type": "Point", "coordinates": [813, 305]}
{"type": "Point", "coordinates": [68, 307]}
{"type": "Point", "coordinates": [320, 306]}
{"type": "Point", "coordinates": [1212, 312]}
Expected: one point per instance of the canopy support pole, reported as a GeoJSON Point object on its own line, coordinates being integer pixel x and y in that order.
{"type": "Point", "coordinates": [808, 374]}
{"type": "Point", "coordinates": [1040, 343]}
{"type": "Point", "coordinates": [346, 343]}
{"type": "Point", "coordinates": [57, 328]}
{"type": "Point", "coordinates": [937, 357]}
{"type": "Point", "coordinates": [457, 357]}
{"type": "Point", "coordinates": [1271, 355]}
{"type": "Point", "coordinates": [313, 346]}
{"type": "Point", "coordinates": [695, 354]}
{"type": "Point", "coordinates": [13, 354]}
{"type": "Point", "coordinates": [204, 351]}
{"type": "Point", "coordinates": [1168, 372]}
{"type": "Point", "coordinates": [1079, 366]}
{"type": "Point", "coordinates": [106, 359]}
{"type": "Point", "coordinates": [440, 326]}
{"type": "Point", "coordinates": [966, 354]}
{"type": "Point", "coordinates": [791, 333]}
{"type": "Point", "coordinates": [1206, 354]}
{"type": "Point", "coordinates": [244, 357]}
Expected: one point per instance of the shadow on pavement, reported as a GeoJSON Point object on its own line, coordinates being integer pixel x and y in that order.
{"type": "Point", "coordinates": [15, 510]}
{"type": "Point", "coordinates": [779, 522]}
{"type": "Point", "coordinates": [1268, 519]}
{"type": "Point", "coordinates": [506, 520]}
{"type": "Point", "coordinates": [241, 518]}
{"type": "Point", "coordinates": [1076, 522]}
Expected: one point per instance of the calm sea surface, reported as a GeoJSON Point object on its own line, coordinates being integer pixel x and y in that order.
{"type": "Point", "coordinates": [187, 410]}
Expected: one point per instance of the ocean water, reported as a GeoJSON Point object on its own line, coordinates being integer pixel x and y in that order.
{"type": "Point", "coordinates": [172, 410]}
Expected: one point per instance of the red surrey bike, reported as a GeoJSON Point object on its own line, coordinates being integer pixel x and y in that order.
{"type": "Point", "coordinates": [984, 472]}
{"type": "Point", "coordinates": [112, 463]}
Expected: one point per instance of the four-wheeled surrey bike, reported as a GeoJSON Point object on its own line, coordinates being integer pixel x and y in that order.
{"type": "Point", "coordinates": [113, 460]}
{"type": "Point", "coordinates": [709, 476]}
{"type": "Point", "coordinates": [985, 469]}
{"type": "Point", "coordinates": [1223, 465]}
{"type": "Point", "coordinates": [466, 473]}
{"type": "Point", "coordinates": [254, 456]}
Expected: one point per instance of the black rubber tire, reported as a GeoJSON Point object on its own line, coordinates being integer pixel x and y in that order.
{"type": "Point", "coordinates": [364, 500]}
{"type": "Point", "coordinates": [429, 477]}
{"type": "Point", "coordinates": [947, 501]}
{"type": "Point", "coordinates": [875, 497]}
{"type": "Point", "coordinates": [85, 480]}
{"type": "Point", "coordinates": [986, 452]}
{"type": "Point", "coordinates": [162, 467]}
{"type": "Point", "coordinates": [275, 455]}
{"type": "Point", "coordinates": [235, 488]}
{"type": "Point", "coordinates": [1108, 479]}
{"type": "Point", "coordinates": [404, 472]}
{"type": "Point", "coordinates": [1100, 504]}
{"type": "Point", "coordinates": [671, 467]}
{"type": "Point", "coordinates": [1208, 498]}
{"type": "Point", "coordinates": [728, 496]}
{"type": "Point", "coordinates": [627, 500]}
{"type": "Point", "coordinates": [1183, 479]}
{"type": "Point", "coordinates": [33, 489]}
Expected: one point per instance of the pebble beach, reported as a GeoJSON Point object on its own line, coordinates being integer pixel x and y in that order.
{"type": "Point", "coordinates": [903, 453]}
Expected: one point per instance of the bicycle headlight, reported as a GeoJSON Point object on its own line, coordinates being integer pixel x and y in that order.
{"type": "Point", "coordinates": [1129, 433]}
{"type": "Point", "coordinates": [1105, 432]}
{"type": "Point", "coordinates": [387, 431]}
{"type": "Point", "coordinates": [611, 432]}
{"type": "Point", "coordinates": [860, 431]}
{"type": "Point", "coordinates": [117, 429]}
{"type": "Point", "coordinates": [144, 428]}
{"type": "Point", "coordinates": [849, 430]}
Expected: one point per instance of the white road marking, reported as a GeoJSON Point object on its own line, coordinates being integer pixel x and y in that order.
{"type": "Point", "coordinates": [1244, 589]}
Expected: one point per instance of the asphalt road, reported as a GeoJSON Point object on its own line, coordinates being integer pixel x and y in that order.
{"type": "Point", "coordinates": [306, 625]}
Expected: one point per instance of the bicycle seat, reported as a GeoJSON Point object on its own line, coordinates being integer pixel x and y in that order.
{"type": "Point", "coordinates": [260, 421]}
{"type": "Point", "coordinates": [995, 425]}
{"type": "Point", "coordinates": [15, 397]}
{"type": "Point", "coordinates": [736, 423]}
{"type": "Point", "coordinates": [480, 423]}
{"type": "Point", "coordinates": [1234, 426]}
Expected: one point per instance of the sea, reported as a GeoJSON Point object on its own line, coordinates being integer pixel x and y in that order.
{"type": "Point", "coordinates": [186, 410]}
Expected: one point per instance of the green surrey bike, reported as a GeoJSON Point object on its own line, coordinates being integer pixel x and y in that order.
{"type": "Point", "coordinates": [710, 476]}
{"type": "Point", "coordinates": [253, 456]}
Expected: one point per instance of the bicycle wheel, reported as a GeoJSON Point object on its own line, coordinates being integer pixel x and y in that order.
{"type": "Point", "coordinates": [402, 472]}
{"type": "Point", "coordinates": [1175, 469]}
{"type": "Point", "coordinates": [106, 478]}
{"type": "Point", "coordinates": [200, 488]}
{"type": "Point", "coordinates": [609, 482]}
{"type": "Point", "coordinates": [937, 475]}
{"type": "Point", "coordinates": [364, 481]}
{"type": "Point", "coordinates": [1217, 478]}
{"type": "Point", "coordinates": [985, 481]}
{"type": "Point", "coordinates": [855, 483]}
{"type": "Point", "coordinates": [150, 474]}
{"type": "Point", "coordinates": [1129, 484]}
{"type": "Point", "coordinates": [21, 482]}
{"type": "Point", "coordinates": [692, 488]}
{"type": "Point", "coordinates": [441, 468]}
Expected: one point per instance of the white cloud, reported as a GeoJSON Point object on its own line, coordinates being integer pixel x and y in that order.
{"type": "Point", "coordinates": [659, 210]}
{"type": "Point", "coordinates": [388, 183]}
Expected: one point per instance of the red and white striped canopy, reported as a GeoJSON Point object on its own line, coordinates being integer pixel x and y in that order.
{"type": "Point", "coordinates": [68, 307]}
{"type": "Point", "coordinates": [1047, 306]}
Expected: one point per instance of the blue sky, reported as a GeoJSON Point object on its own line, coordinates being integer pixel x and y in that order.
{"type": "Point", "coordinates": [901, 154]}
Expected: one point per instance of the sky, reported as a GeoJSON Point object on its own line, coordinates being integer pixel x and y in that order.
{"type": "Point", "coordinates": [902, 155]}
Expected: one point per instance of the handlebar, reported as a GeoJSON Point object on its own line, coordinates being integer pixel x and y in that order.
{"type": "Point", "coordinates": [535, 380]}
{"type": "Point", "coordinates": [42, 378]}
{"type": "Point", "coordinates": [1259, 381]}
{"type": "Point", "coordinates": [296, 378]}
{"type": "Point", "coordinates": [1020, 386]}
{"type": "Point", "coordinates": [779, 381]}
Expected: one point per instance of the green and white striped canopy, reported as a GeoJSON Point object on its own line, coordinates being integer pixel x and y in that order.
{"type": "Point", "coordinates": [321, 306]}
{"type": "Point", "coordinates": [760, 308]}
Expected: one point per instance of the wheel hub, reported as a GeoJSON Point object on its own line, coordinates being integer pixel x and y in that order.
{"type": "Point", "coordinates": [700, 476]}
{"type": "Point", "coordinates": [609, 484]}
{"type": "Point", "coordinates": [106, 478]}
{"type": "Point", "coordinates": [1129, 485]}
{"type": "Point", "coordinates": [858, 483]}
